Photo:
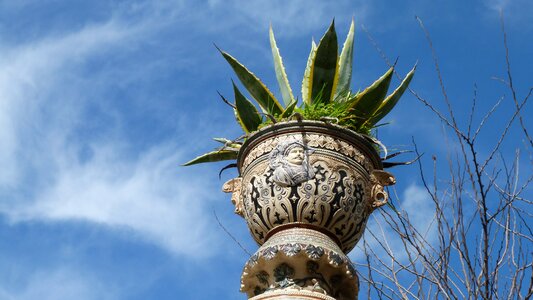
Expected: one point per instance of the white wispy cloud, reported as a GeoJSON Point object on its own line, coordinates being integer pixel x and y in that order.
{"type": "Point", "coordinates": [517, 13]}
{"type": "Point", "coordinates": [29, 75]}
{"type": "Point", "coordinates": [417, 204]}
{"type": "Point", "coordinates": [145, 196]}
{"type": "Point", "coordinates": [420, 208]}
{"type": "Point", "coordinates": [291, 17]}
{"type": "Point", "coordinates": [58, 284]}
{"type": "Point", "coordinates": [52, 171]}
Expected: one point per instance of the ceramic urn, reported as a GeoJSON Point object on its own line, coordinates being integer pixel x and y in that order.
{"type": "Point", "coordinates": [306, 190]}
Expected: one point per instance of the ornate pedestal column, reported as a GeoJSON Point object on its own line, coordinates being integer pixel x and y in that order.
{"type": "Point", "coordinates": [306, 190]}
{"type": "Point", "coordinates": [299, 262]}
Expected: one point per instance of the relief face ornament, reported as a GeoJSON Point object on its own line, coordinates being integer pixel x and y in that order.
{"type": "Point", "coordinates": [290, 163]}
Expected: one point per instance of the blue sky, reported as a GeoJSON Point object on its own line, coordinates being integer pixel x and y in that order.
{"type": "Point", "coordinates": [101, 101]}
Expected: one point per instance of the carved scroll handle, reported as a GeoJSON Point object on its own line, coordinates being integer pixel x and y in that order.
{"type": "Point", "coordinates": [380, 179]}
{"type": "Point", "coordinates": [234, 186]}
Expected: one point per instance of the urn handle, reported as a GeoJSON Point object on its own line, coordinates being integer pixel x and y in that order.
{"type": "Point", "coordinates": [380, 179]}
{"type": "Point", "coordinates": [234, 186]}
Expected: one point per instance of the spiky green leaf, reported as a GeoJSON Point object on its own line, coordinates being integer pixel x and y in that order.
{"type": "Point", "coordinates": [255, 87]}
{"type": "Point", "coordinates": [245, 111]}
{"type": "Point", "coordinates": [325, 67]}
{"type": "Point", "coordinates": [229, 145]}
{"type": "Point", "coordinates": [365, 103]}
{"type": "Point", "coordinates": [289, 109]}
{"type": "Point", "coordinates": [281, 75]}
{"type": "Point", "coordinates": [345, 65]}
{"type": "Point", "coordinates": [307, 81]}
{"type": "Point", "coordinates": [213, 156]}
{"type": "Point", "coordinates": [222, 140]}
{"type": "Point", "coordinates": [389, 102]}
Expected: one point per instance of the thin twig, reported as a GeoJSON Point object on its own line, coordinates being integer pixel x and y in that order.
{"type": "Point", "coordinates": [230, 235]}
{"type": "Point", "coordinates": [510, 78]}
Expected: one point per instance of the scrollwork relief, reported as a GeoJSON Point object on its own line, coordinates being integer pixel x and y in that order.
{"type": "Point", "coordinates": [379, 179]}
{"type": "Point", "coordinates": [310, 178]}
{"type": "Point", "coordinates": [334, 198]}
{"type": "Point", "coordinates": [233, 186]}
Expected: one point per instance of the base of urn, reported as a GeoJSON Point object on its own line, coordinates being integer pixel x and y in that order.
{"type": "Point", "coordinates": [292, 294]}
{"type": "Point", "coordinates": [299, 263]}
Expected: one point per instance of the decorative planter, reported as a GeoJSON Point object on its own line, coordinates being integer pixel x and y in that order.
{"type": "Point", "coordinates": [306, 187]}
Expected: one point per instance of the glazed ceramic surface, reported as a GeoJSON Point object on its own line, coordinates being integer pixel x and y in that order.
{"type": "Point", "coordinates": [308, 174]}
{"type": "Point", "coordinates": [300, 262]}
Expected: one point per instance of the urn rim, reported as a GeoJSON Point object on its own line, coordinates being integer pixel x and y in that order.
{"type": "Point", "coordinates": [360, 140]}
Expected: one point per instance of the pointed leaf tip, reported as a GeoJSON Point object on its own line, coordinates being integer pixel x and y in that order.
{"type": "Point", "coordinates": [281, 75]}
{"type": "Point", "coordinates": [344, 73]}
{"type": "Point", "coordinates": [213, 156]}
{"type": "Point", "coordinates": [246, 113]}
{"type": "Point", "coordinates": [388, 104]}
{"type": "Point", "coordinates": [307, 81]}
{"type": "Point", "coordinates": [219, 50]}
{"type": "Point", "coordinates": [370, 98]}
{"type": "Point", "coordinates": [325, 67]}
{"type": "Point", "coordinates": [255, 87]}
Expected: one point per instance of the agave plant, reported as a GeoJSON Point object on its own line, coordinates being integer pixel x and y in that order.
{"type": "Point", "coordinates": [326, 94]}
